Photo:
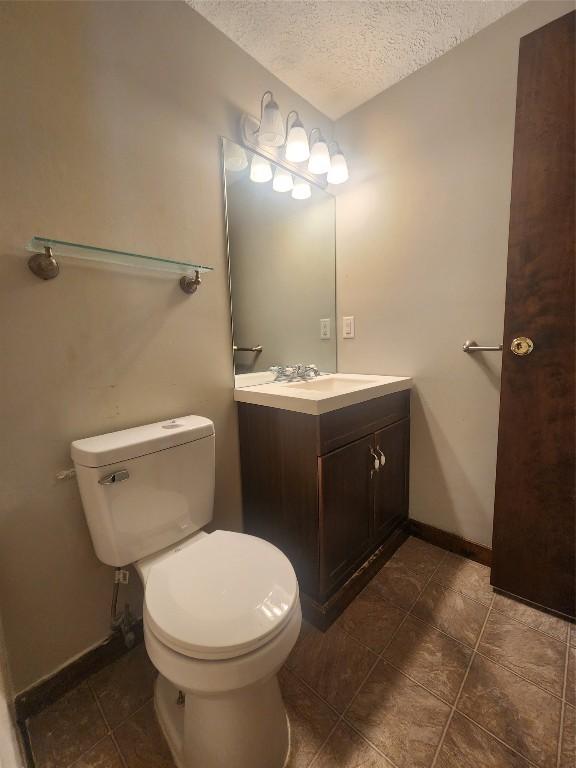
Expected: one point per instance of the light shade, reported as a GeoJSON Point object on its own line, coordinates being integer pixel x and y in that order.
{"type": "Point", "coordinates": [271, 132]}
{"type": "Point", "coordinates": [301, 190]}
{"type": "Point", "coordinates": [260, 169]}
{"type": "Point", "coordinates": [338, 172]}
{"type": "Point", "coordinates": [283, 181]}
{"type": "Point", "coordinates": [297, 149]}
{"type": "Point", "coordinates": [235, 158]}
{"type": "Point", "coordinates": [319, 157]}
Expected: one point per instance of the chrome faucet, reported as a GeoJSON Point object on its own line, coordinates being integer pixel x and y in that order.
{"type": "Point", "coordinates": [297, 372]}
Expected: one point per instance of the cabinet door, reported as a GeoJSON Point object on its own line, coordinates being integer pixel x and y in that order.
{"type": "Point", "coordinates": [346, 502]}
{"type": "Point", "coordinates": [391, 480]}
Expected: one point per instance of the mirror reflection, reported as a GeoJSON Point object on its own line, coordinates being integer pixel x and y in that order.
{"type": "Point", "coordinates": [281, 246]}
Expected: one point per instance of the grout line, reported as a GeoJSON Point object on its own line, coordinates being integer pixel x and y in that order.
{"type": "Point", "coordinates": [497, 738]}
{"type": "Point", "coordinates": [314, 691]}
{"type": "Point", "coordinates": [120, 753]}
{"type": "Point", "coordinates": [489, 658]}
{"type": "Point", "coordinates": [535, 629]}
{"type": "Point", "coordinates": [451, 715]}
{"type": "Point", "coordinates": [517, 674]}
{"type": "Point", "coordinates": [110, 729]}
{"type": "Point", "coordinates": [563, 710]}
{"type": "Point", "coordinates": [379, 657]}
{"type": "Point", "coordinates": [463, 594]}
{"type": "Point", "coordinates": [99, 706]}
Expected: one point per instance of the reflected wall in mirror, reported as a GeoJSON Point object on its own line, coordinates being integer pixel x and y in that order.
{"type": "Point", "coordinates": [281, 247]}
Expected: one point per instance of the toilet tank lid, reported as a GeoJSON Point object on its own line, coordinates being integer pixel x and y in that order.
{"type": "Point", "coordinates": [138, 441]}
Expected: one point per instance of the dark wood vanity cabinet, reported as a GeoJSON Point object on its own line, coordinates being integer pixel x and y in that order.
{"type": "Point", "coordinates": [311, 487]}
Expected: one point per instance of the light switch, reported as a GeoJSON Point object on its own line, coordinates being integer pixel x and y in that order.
{"type": "Point", "coordinates": [348, 327]}
{"type": "Point", "coordinates": [325, 328]}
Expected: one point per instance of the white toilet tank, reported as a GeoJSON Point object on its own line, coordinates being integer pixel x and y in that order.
{"type": "Point", "coordinates": [146, 488]}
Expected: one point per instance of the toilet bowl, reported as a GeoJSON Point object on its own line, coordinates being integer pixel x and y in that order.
{"type": "Point", "coordinates": [221, 610]}
{"type": "Point", "coordinates": [221, 615]}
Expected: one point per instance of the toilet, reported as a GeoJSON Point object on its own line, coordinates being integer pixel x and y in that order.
{"type": "Point", "coordinates": [221, 610]}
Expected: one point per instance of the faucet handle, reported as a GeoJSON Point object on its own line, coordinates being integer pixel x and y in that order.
{"type": "Point", "coordinates": [311, 371]}
{"type": "Point", "coordinates": [278, 371]}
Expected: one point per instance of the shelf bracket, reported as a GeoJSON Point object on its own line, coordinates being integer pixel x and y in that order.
{"type": "Point", "coordinates": [190, 284]}
{"type": "Point", "coordinates": [44, 265]}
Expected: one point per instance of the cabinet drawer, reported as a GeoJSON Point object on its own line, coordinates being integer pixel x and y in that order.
{"type": "Point", "coordinates": [337, 428]}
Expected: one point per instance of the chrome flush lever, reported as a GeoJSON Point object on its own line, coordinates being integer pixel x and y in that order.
{"type": "Point", "coordinates": [114, 477]}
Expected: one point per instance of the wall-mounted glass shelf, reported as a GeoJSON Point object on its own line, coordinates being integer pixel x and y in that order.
{"type": "Point", "coordinates": [45, 265]}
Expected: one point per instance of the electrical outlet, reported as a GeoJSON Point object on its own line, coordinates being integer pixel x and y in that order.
{"type": "Point", "coordinates": [325, 328]}
{"type": "Point", "coordinates": [348, 327]}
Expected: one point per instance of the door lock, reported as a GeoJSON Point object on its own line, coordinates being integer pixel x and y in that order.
{"type": "Point", "coordinates": [522, 346]}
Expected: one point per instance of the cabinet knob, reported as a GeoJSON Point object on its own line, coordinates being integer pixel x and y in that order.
{"type": "Point", "coordinates": [382, 457]}
{"type": "Point", "coordinates": [376, 460]}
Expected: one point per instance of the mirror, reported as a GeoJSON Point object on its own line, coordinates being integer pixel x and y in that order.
{"type": "Point", "coordinates": [282, 265]}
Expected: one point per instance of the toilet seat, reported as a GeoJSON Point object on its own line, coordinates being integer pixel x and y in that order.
{"type": "Point", "coordinates": [225, 596]}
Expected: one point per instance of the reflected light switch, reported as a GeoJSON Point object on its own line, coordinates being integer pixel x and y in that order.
{"type": "Point", "coordinates": [348, 327]}
{"type": "Point", "coordinates": [325, 328]}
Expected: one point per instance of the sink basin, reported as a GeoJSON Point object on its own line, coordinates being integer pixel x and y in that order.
{"type": "Point", "coordinates": [328, 392]}
{"type": "Point", "coordinates": [333, 384]}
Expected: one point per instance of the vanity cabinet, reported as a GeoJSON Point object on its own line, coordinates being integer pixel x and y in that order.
{"type": "Point", "coordinates": [330, 490]}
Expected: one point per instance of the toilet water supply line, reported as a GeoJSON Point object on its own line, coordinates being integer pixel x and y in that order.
{"type": "Point", "coordinates": [121, 621]}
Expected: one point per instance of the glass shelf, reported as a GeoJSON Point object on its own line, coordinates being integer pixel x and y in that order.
{"type": "Point", "coordinates": [108, 256]}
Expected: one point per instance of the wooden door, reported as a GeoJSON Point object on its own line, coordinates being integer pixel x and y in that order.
{"type": "Point", "coordinates": [534, 516]}
{"type": "Point", "coordinates": [345, 496]}
{"type": "Point", "coordinates": [391, 480]}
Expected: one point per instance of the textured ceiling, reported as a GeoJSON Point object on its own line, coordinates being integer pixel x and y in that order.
{"type": "Point", "coordinates": [337, 54]}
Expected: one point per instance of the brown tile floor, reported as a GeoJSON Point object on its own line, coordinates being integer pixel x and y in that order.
{"type": "Point", "coordinates": [427, 668]}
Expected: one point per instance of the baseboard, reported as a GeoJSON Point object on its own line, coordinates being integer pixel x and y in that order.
{"type": "Point", "coordinates": [37, 698]}
{"type": "Point", "coordinates": [452, 542]}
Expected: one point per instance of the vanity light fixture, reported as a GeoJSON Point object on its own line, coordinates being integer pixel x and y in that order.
{"type": "Point", "coordinates": [271, 131]}
{"type": "Point", "coordinates": [235, 158]}
{"type": "Point", "coordinates": [288, 144]}
{"type": "Point", "coordinates": [260, 169]}
{"type": "Point", "coordinates": [301, 190]}
{"type": "Point", "coordinates": [297, 148]}
{"type": "Point", "coordinates": [319, 161]}
{"type": "Point", "coordinates": [338, 172]}
{"type": "Point", "coordinates": [283, 181]}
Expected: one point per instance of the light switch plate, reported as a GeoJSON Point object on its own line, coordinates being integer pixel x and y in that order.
{"type": "Point", "coordinates": [325, 328]}
{"type": "Point", "coordinates": [348, 327]}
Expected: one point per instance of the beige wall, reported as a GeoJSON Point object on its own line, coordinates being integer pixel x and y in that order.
{"type": "Point", "coordinates": [109, 121]}
{"type": "Point", "coordinates": [422, 234]}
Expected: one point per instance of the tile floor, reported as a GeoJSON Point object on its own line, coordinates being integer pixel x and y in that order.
{"type": "Point", "coordinates": [427, 667]}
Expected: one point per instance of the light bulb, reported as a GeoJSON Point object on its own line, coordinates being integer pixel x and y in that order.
{"type": "Point", "coordinates": [297, 148]}
{"type": "Point", "coordinates": [338, 172]}
{"type": "Point", "coordinates": [301, 190]}
{"type": "Point", "coordinates": [319, 157]}
{"type": "Point", "coordinates": [260, 169]}
{"type": "Point", "coordinates": [234, 157]}
{"type": "Point", "coordinates": [283, 181]}
{"type": "Point", "coordinates": [271, 131]}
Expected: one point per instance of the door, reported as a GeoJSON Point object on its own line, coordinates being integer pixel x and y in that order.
{"type": "Point", "coordinates": [391, 480]}
{"type": "Point", "coordinates": [534, 515]}
{"type": "Point", "coordinates": [345, 490]}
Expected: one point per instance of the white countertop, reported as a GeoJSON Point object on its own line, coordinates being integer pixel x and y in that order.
{"type": "Point", "coordinates": [327, 392]}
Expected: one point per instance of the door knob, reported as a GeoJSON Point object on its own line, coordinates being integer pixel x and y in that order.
{"type": "Point", "coordinates": [522, 346]}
